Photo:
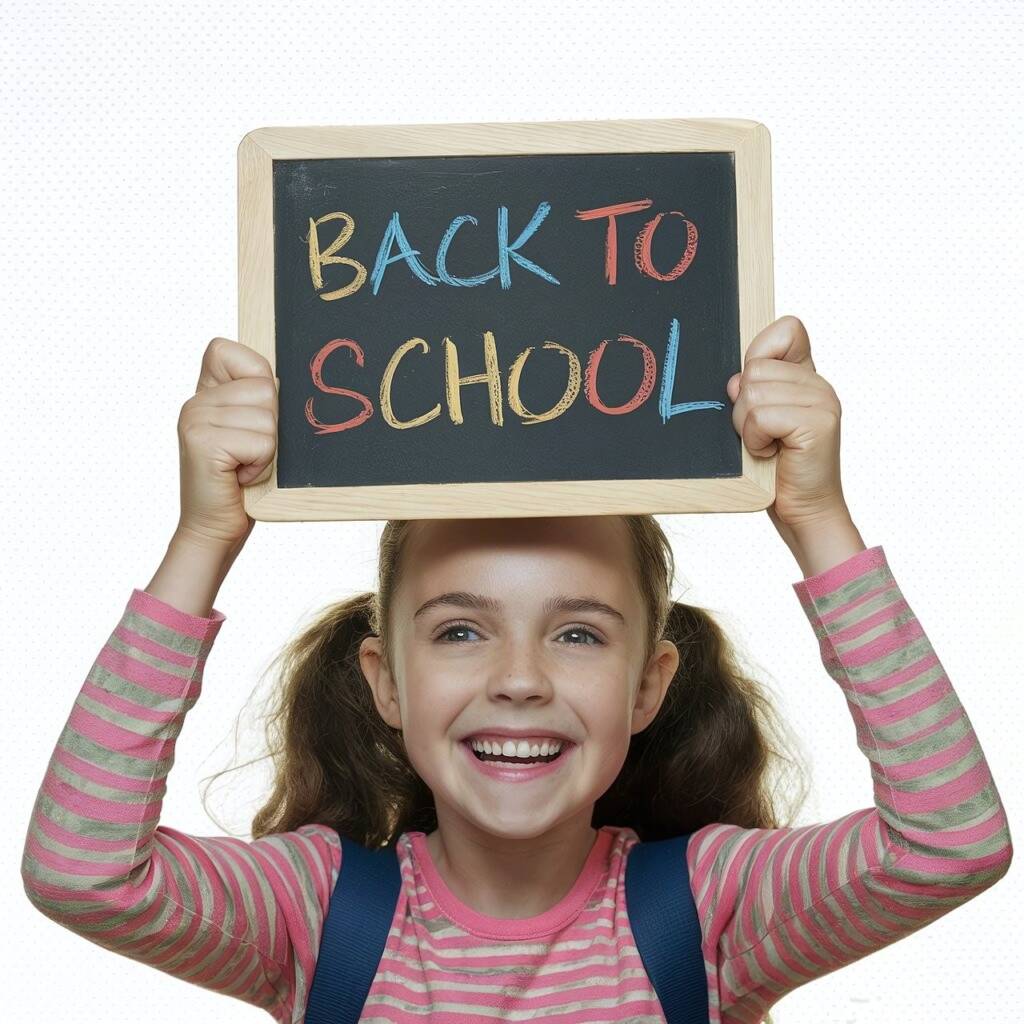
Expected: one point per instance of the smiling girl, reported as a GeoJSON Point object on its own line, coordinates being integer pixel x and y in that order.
{"type": "Point", "coordinates": [517, 706]}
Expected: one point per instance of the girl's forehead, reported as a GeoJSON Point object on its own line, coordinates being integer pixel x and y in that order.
{"type": "Point", "coordinates": [599, 540]}
{"type": "Point", "coordinates": [563, 553]}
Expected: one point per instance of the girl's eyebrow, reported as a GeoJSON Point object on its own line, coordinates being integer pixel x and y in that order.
{"type": "Point", "coordinates": [561, 602]}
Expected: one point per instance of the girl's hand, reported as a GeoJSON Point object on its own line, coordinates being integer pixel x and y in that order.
{"type": "Point", "coordinates": [230, 422]}
{"type": "Point", "coordinates": [778, 397]}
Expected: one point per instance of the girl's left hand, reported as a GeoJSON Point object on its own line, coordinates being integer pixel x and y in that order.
{"type": "Point", "coordinates": [779, 397]}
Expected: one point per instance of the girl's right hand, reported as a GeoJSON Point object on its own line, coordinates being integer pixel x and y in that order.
{"type": "Point", "coordinates": [230, 422]}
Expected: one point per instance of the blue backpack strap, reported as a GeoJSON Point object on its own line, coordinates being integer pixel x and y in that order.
{"type": "Point", "coordinates": [355, 932]}
{"type": "Point", "coordinates": [663, 917]}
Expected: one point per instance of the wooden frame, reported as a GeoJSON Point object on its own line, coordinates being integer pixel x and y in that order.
{"type": "Point", "coordinates": [749, 141]}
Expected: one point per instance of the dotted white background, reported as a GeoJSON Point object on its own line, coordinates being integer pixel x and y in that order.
{"type": "Point", "coordinates": [896, 154]}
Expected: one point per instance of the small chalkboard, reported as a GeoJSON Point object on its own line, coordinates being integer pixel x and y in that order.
{"type": "Point", "coordinates": [474, 320]}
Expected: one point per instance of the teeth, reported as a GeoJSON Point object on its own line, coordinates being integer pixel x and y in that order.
{"type": "Point", "coordinates": [524, 748]}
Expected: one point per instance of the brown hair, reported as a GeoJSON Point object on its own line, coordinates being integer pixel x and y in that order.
{"type": "Point", "coordinates": [708, 755]}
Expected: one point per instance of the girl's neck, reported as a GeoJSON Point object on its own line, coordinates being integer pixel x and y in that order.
{"type": "Point", "coordinates": [510, 879]}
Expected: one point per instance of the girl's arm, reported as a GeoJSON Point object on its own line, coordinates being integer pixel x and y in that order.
{"type": "Point", "coordinates": [780, 907]}
{"type": "Point", "coordinates": [242, 919]}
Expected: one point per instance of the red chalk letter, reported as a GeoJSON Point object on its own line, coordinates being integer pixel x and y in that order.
{"type": "Point", "coordinates": [642, 249]}
{"type": "Point", "coordinates": [646, 385]}
{"type": "Point", "coordinates": [610, 245]}
{"type": "Point", "coordinates": [315, 365]}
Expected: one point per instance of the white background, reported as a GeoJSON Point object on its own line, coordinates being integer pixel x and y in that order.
{"type": "Point", "coordinates": [896, 149]}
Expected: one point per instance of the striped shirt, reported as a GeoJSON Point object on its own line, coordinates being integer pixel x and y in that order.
{"type": "Point", "coordinates": [778, 907]}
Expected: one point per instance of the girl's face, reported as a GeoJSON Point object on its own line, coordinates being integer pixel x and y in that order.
{"type": "Point", "coordinates": [515, 659]}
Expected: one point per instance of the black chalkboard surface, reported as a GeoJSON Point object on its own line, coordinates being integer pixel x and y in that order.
{"type": "Point", "coordinates": [464, 327]}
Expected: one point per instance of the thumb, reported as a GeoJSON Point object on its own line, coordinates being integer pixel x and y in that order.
{"type": "Point", "coordinates": [265, 475]}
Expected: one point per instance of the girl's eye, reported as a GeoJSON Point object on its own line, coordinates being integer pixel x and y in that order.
{"type": "Point", "coordinates": [457, 628]}
{"type": "Point", "coordinates": [584, 632]}
{"type": "Point", "coordinates": [464, 627]}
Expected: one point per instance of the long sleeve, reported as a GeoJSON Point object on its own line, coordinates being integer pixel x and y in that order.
{"type": "Point", "coordinates": [242, 919]}
{"type": "Point", "coordinates": [780, 907]}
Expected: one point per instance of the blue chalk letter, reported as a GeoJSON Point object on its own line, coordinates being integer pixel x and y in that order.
{"type": "Point", "coordinates": [505, 250]}
{"type": "Point", "coordinates": [668, 381]}
{"type": "Point", "coordinates": [442, 257]}
{"type": "Point", "coordinates": [406, 252]}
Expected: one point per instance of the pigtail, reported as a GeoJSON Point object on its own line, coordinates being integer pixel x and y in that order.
{"type": "Point", "coordinates": [706, 756]}
{"type": "Point", "coordinates": [337, 761]}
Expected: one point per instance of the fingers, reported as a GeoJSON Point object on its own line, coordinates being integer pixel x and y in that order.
{"type": "Point", "coordinates": [239, 449]}
{"type": "Point", "coordinates": [244, 391]}
{"type": "Point", "coordinates": [778, 385]}
{"type": "Point", "coordinates": [786, 339]}
{"type": "Point", "coordinates": [764, 369]}
{"type": "Point", "coordinates": [777, 371]}
{"type": "Point", "coordinates": [225, 360]}
{"type": "Point", "coordinates": [768, 393]}
{"type": "Point", "coordinates": [796, 426]}
{"type": "Point", "coordinates": [244, 417]}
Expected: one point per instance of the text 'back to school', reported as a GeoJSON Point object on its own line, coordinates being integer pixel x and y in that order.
{"type": "Point", "coordinates": [396, 247]}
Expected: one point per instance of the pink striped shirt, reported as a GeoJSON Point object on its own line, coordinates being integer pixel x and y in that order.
{"type": "Point", "coordinates": [778, 907]}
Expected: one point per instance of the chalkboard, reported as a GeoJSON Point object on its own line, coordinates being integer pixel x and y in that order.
{"type": "Point", "coordinates": [503, 319]}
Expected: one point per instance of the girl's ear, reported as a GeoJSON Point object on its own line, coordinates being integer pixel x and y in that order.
{"type": "Point", "coordinates": [654, 684]}
{"type": "Point", "coordinates": [379, 679]}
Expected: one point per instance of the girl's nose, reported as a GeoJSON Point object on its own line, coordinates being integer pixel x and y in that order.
{"type": "Point", "coordinates": [522, 678]}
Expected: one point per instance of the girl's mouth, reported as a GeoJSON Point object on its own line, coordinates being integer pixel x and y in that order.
{"type": "Point", "coordinates": [504, 769]}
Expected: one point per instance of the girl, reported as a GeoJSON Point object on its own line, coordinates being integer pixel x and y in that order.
{"type": "Point", "coordinates": [492, 640]}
